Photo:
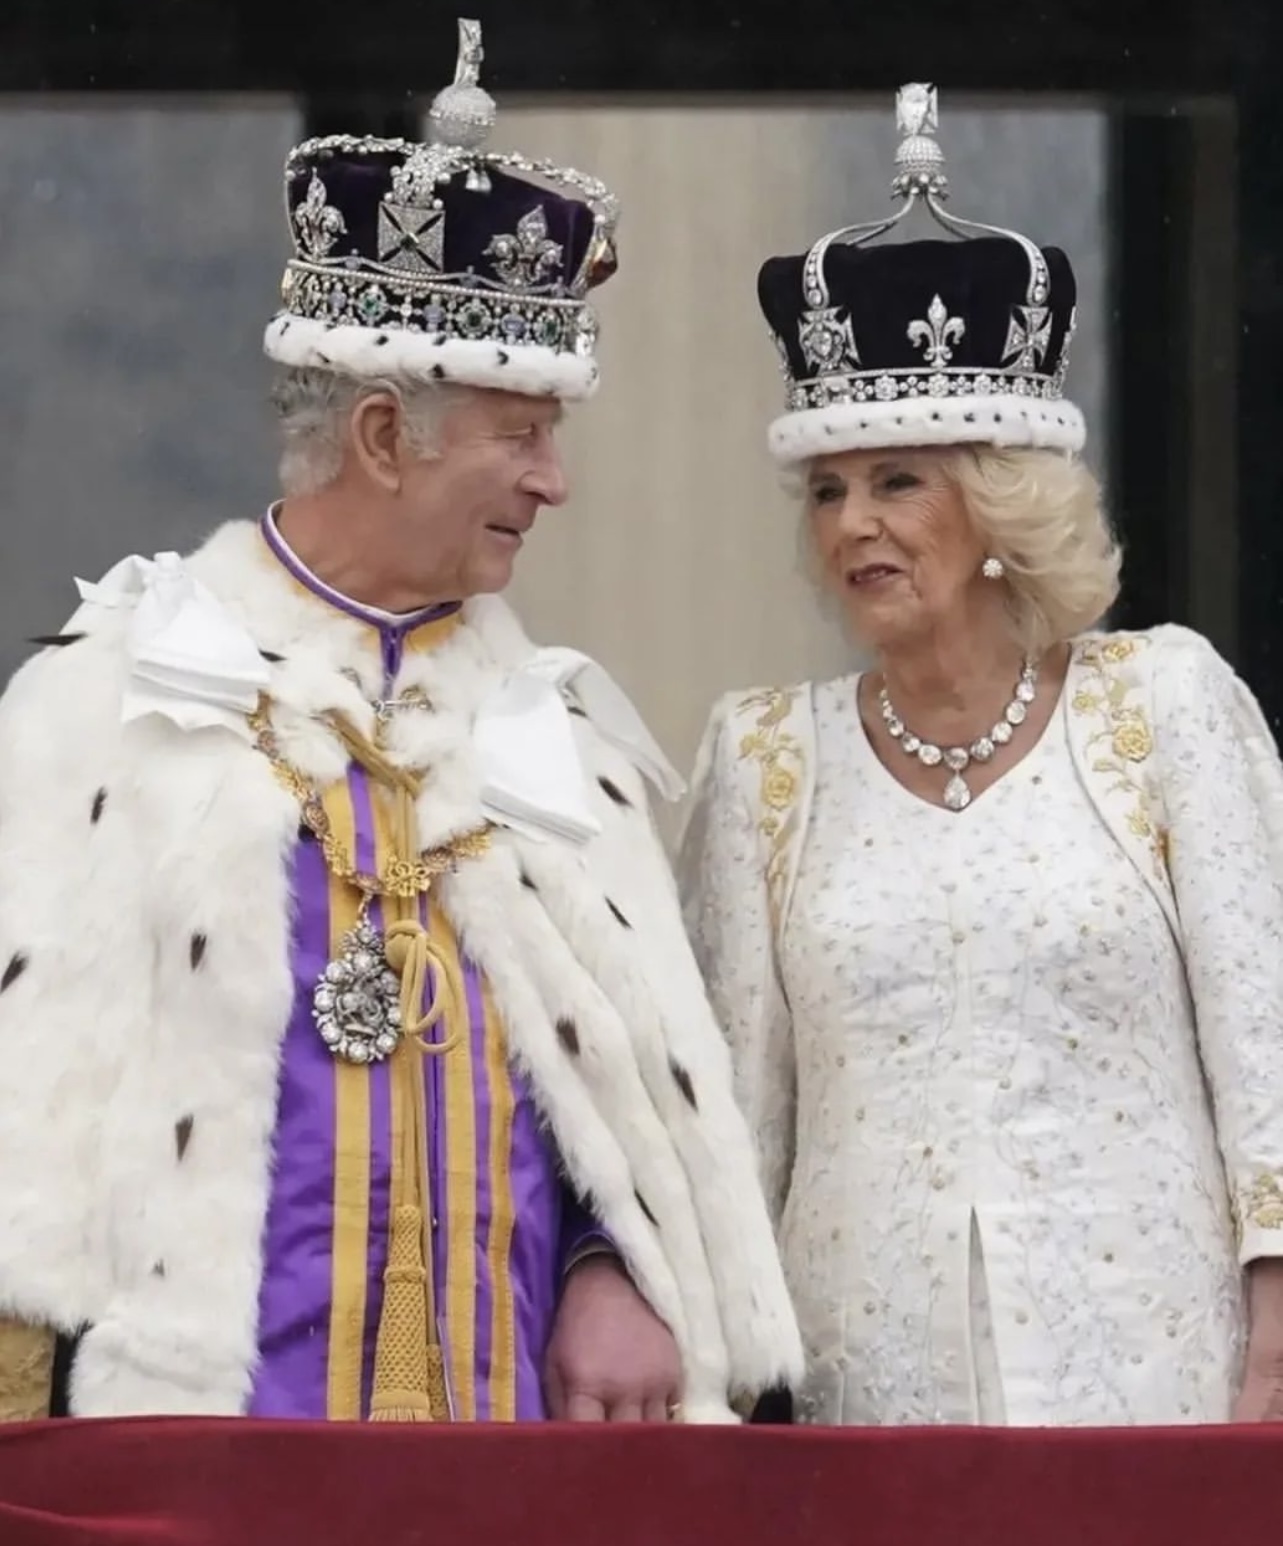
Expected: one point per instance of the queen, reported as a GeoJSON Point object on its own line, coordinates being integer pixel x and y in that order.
{"type": "Point", "coordinates": [995, 927]}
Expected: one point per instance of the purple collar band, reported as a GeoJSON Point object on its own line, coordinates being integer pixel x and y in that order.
{"type": "Point", "coordinates": [386, 622]}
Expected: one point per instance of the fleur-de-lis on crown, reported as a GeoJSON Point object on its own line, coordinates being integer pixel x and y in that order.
{"type": "Point", "coordinates": [318, 223]}
{"type": "Point", "coordinates": [525, 258]}
{"type": "Point", "coordinates": [937, 333]}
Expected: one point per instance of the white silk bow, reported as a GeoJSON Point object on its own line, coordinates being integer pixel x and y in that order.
{"type": "Point", "coordinates": [189, 660]}
{"type": "Point", "coordinates": [533, 775]}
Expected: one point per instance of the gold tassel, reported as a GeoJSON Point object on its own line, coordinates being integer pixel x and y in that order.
{"type": "Point", "coordinates": [409, 1367]}
{"type": "Point", "coordinates": [403, 1390]}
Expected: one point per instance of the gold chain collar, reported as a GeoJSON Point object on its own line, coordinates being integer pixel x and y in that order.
{"type": "Point", "coordinates": [402, 876]}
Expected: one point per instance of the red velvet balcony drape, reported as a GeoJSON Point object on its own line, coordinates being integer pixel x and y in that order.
{"type": "Point", "coordinates": [148, 1483]}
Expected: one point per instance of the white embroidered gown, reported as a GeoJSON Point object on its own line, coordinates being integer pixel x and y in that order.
{"type": "Point", "coordinates": [1007, 1202]}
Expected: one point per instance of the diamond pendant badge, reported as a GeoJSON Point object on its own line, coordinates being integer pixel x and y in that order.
{"type": "Point", "coordinates": [356, 1003]}
{"type": "Point", "coordinates": [956, 794]}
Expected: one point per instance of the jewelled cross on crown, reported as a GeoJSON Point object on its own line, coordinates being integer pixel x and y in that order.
{"type": "Point", "coordinates": [919, 160]}
{"type": "Point", "coordinates": [463, 114]}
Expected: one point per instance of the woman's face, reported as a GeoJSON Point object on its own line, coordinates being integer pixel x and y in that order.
{"type": "Point", "coordinates": [895, 542]}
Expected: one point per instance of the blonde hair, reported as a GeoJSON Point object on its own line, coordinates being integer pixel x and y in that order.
{"type": "Point", "coordinates": [1041, 513]}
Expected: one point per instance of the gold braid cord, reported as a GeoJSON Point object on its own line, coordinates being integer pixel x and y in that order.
{"type": "Point", "coordinates": [402, 877]}
{"type": "Point", "coordinates": [409, 1368]}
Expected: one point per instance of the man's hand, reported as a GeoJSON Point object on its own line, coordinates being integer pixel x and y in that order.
{"type": "Point", "coordinates": [611, 1359]}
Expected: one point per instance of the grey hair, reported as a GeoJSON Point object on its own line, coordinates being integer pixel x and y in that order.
{"type": "Point", "coordinates": [313, 407]}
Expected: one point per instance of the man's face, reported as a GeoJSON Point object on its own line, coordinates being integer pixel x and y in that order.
{"type": "Point", "coordinates": [470, 506]}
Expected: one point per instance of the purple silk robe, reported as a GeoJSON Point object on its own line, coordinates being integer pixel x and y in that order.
{"type": "Point", "coordinates": [504, 1225]}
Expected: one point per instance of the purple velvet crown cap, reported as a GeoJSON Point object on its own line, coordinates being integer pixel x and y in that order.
{"type": "Point", "coordinates": [441, 261]}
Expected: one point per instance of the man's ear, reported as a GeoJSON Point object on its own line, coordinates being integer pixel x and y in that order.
{"type": "Point", "coordinates": [375, 433]}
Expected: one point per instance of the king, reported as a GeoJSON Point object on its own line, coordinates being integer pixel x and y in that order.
{"type": "Point", "coordinates": [356, 1066]}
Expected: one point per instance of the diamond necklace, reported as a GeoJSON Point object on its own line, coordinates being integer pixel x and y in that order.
{"type": "Point", "coordinates": [959, 758]}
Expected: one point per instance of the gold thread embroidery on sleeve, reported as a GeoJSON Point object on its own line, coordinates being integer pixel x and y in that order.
{"type": "Point", "coordinates": [26, 1371]}
{"type": "Point", "coordinates": [779, 760]}
{"type": "Point", "coordinates": [1261, 1205]}
{"type": "Point", "coordinates": [1124, 742]}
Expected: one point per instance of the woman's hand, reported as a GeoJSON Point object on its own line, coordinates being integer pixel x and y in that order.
{"type": "Point", "coordinates": [1261, 1398]}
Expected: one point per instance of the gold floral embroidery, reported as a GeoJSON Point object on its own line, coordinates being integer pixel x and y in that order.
{"type": "Point", "coordinates": [1124, 742]}
{"type": "Point", "coordinates": [778, 789]}
{"type": "Point", "coordinates": [778, 756]}
{"type": "Point", "coordinates": [1139, 823]}
{"type": "Point", "coordinates": [1132, 741]}
{"type": "Point", "coordinates": [1261, 1205]}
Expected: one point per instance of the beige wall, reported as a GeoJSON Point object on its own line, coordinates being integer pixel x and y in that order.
{"type": "Point", "coordinates": [675, 561]}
